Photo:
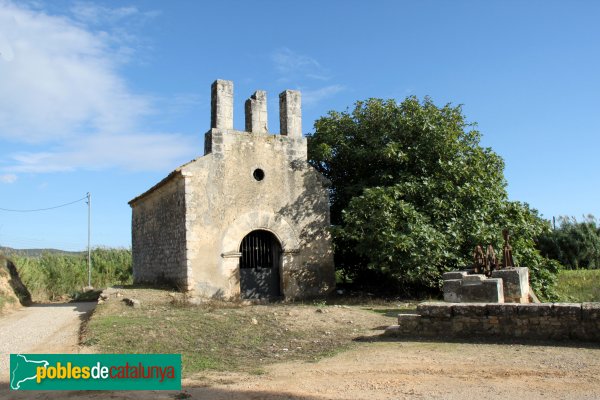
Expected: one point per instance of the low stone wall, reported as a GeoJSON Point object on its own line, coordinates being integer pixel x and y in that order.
{"type": "Point", "coordinates": [554, 321]}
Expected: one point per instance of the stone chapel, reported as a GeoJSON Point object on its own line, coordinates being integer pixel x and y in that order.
{"type": "Point", "coordinates": [249, 219]}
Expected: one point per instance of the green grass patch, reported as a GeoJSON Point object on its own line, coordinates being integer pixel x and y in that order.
{"type": "Point", "coordinates": [578, 285]}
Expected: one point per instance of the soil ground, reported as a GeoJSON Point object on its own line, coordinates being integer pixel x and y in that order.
{"type": "Point", "coordinates": [372, 367]}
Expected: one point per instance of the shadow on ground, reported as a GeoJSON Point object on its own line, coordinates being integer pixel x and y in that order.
{"type": "Point", "coordinates": [476, 340]}
{"type": "Point", "coordinates": [193, 392]}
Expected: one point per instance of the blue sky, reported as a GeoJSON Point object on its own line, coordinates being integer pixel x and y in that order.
{"type": "Point", "coordinates": [109, 97]}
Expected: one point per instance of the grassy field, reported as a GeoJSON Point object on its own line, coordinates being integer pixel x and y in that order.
{"type": "Point", "coordinates": [61, 276]}
{"type": "Point", "coordinates": [579, 285]}
{"type": "Point", "coordinates": [228, 336]}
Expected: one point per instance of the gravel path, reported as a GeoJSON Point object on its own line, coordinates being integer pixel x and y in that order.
{"type": "Point", "coordinates": [41, 328]}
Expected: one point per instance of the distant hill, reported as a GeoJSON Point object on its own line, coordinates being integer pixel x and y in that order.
{"type": "Point", "coordinates": [9, 251]}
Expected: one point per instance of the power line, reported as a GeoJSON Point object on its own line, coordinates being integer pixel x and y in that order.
{"type": "Point", "coordinates": [48, 208]}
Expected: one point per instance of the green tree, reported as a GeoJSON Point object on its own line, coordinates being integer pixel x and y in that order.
{"type": "Point", "coordinates": [575, 244]}
{"type": "Point", "coordinates": [413, 192]}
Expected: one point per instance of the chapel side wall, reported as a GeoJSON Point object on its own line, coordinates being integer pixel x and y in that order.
{"type": "Point", "coordinates": [158, 235]}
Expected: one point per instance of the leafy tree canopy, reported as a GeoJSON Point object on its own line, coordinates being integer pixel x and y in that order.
{"type": "Point", "coordinates": [413, 192]}
{"type": "Point", "coordinates": [575, 244]}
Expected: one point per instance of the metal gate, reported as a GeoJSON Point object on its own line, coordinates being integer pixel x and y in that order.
{"type": "Point", "coordinates": [259, 266]}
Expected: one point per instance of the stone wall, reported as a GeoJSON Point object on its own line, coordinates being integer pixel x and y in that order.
{"type": "Point", "coordinates": [158, 234]}
{"type": "Point", "coordinates": [554, 321]}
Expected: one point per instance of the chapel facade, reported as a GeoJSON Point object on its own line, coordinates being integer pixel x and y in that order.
{"type": "Point", "coordinates": [249, 219]}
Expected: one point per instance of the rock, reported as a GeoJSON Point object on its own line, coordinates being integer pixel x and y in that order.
{"type": "Point", "coordinates": [104, 296]}
{"type": "Point", "coordinates": [87, 289]}
{"type": "Point", "coordinates": [254, 321]}
{"type": "Point", "coordinates": [135, 303]}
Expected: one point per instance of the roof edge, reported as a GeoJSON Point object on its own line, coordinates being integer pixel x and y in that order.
{"type": "Point", "coordinates": [163, 182]}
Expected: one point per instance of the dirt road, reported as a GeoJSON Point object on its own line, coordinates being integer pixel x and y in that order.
{"type": "Point", "coordinates": [423, 370]}
{"type": "Point", "coordinates": [376, 369]}
{"type": "Point", "coordinates": [41, 328]}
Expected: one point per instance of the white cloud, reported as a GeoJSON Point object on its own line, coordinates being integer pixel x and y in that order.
{"type": "Point", "coordinates": [8, 178]}
{"type": "Point", "coordinates": [288, 62]}
{"type": "Point", "coordinates": [314, 96]}
{"type": "Point", "coordinates": [299, 69]}
{"type": "Point", "coordinates": [61, 80]}
{"type": "Point", "coordinates": [293, 66]}
{"type": "Point", "coordinates": [60, 88]}
{"type": "Point", "coordinates": [96, 14]}
{"type": "Point", "coordinates": [135, 152]}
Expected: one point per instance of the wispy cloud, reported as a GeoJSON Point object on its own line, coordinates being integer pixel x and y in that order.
{"type": "Point", "coordinates": [288, 62]}
{"type": "Point", "coordinates": [292, 66]}
{"type": "Point", "coordinates": [134, 152]}
{"type": "Point", "coordinates": [310, 97]}
{"type": "Point", "coordinates": [96, 14]}
{"type": "Point", "coordinates": [60, 88]}
{"type": "Point", "coordinates": [8, 178]}
{"type": "Point", "coordinates": [304, 71]}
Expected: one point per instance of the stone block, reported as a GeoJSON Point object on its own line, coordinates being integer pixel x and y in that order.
{"type": "Point", "coordinates": [500, 310]}
{"type": "Point", "coordinates": [535, 309]}
{"type": "Point", "coordinates": [469, 310]}
{"type": "Point", "coordinates": [409, 320]}
{"type": "Point", "coordinates": [569, 310]}
{"type": "Point", "coordinates": [516, 284]}
{"type": "Point", "coordinates": [481, 291]}
{"type": "Point", "coordinates": [451, 289]}
{"type": "Point", "coordinates": [454, 275]}
{"type": "Point", "coordinates": [435, 310]}
{"type": "Point", "coordinates": [590, 311]}
{"type": "Point", "coordinates": [474, 279]}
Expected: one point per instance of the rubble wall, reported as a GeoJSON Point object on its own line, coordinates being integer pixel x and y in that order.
{"type": "Point", "coordinates": [543, 321]}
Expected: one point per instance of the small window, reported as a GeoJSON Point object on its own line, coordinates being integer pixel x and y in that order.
{"type": "Point", "coordinates": [258, 174]}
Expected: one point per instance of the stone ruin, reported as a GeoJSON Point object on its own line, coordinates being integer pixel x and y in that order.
{"type": "Point", "coordinates": [487, 282]}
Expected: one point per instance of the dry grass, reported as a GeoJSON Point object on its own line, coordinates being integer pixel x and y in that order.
{"type": "Point", "coordinates": [579, 285]}
{"type": "Point", "coordinates": [229, 336]}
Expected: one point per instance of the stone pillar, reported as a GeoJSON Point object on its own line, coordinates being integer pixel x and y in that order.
{"type": "Point", "coordinates": [256, 112]}
{"type": "Point", "coordinates": [221, 104]}
{"type": "Point", "coordinates": [290, 113]}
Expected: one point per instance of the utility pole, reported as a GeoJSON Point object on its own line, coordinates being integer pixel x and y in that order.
{"type": "Point", "coordinates": [89, 202]}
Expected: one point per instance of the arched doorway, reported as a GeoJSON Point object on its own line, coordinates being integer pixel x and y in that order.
{"type": "Point", "coordinates": [259, 266]}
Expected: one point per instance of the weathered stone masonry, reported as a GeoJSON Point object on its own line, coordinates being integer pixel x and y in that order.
{"type": "Point", "coordinates": [555, 321]}
{"type": "Point", "coordinates": [189, 227]}
{"type": "Point", "coordinates": [158, 229]}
